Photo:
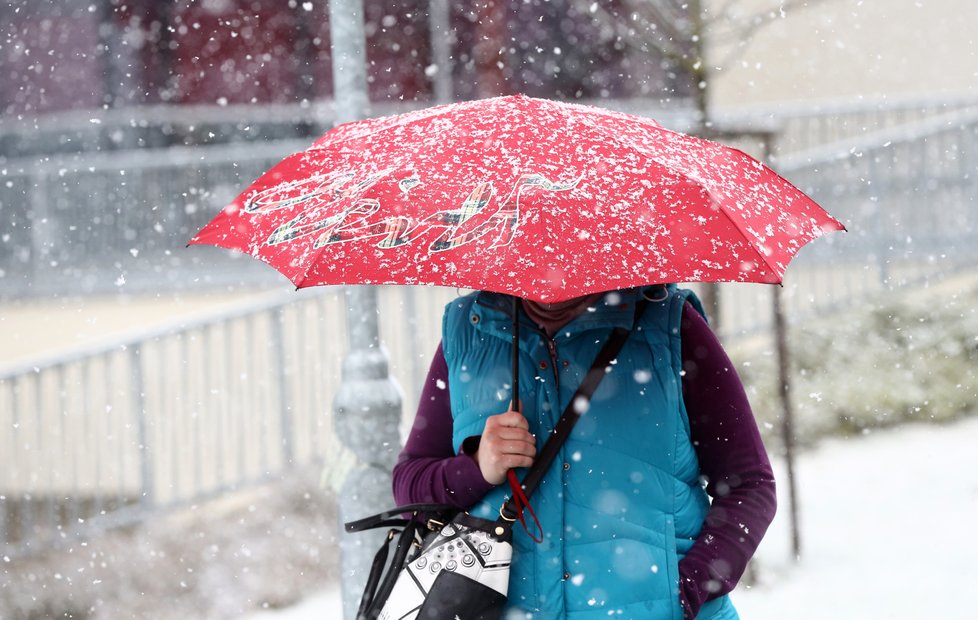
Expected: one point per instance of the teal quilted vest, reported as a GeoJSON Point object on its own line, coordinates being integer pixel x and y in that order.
{"type": "Point", "coordinates": [623, 502]}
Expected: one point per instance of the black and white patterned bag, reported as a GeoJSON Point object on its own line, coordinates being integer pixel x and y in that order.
{"type": "Point", "coordinates": [457, 568]}
{"type": "Point", "coordinates": [461, 571]}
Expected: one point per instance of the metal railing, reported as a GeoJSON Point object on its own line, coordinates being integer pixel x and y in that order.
{"type": "Point", "coordinates": [909, 198]}
{"type": "Point", "coordinates": [103, 435]}
{"type": "Point", "coordinates": [69, 222]}
{"type": "Point", "coordinates": [805, 125]}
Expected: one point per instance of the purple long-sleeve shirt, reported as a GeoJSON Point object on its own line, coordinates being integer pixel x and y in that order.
{"type": "Point", "coordinates": [724, 434]}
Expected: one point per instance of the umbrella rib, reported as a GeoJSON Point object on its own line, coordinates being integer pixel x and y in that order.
{"type": "Point", "coordinates": [301, 280]}
{"type": "Point", "coordinates": [617, 140]}
{"type": "Point", "coordinates": [733, 221]}
{"type": "Point", "coordinates": [744, 234]}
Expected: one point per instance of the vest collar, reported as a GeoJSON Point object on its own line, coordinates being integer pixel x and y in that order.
{"type": "Point", "coordinates": [492, 313]}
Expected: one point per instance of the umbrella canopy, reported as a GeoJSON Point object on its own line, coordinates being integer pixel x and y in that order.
{"type": "Point", "coordinates": [534, 198]}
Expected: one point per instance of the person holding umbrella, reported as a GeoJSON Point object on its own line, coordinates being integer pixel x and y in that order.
{"type": "Point", "coordinates": [575, 210]}
{"type": "Point", "coordinates": [627, 529]}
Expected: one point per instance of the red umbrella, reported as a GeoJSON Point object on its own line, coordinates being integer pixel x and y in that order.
{"type": "Point", "coordinates": [538, 199]}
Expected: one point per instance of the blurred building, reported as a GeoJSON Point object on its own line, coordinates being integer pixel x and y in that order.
{"type": "Point", "coordinates": [89, 54]}
{"type": "Point", "coordinates": [881, 53]}
{"type": "Point", "coordinates": [95, 95]}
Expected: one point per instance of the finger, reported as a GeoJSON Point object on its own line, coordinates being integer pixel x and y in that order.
{"type": "Point", "coordinates": [513, 461]}
{"type": "Point", "coordinates": [512, 419]}
{"type": "Point", "coordinates": [519, 447]}
{"type": "Point", "coordinates": [513, 433]}
{"type": "Point", "coordinates": [508, 433]}
{"type": "Point", "coordinates": [513, 447]}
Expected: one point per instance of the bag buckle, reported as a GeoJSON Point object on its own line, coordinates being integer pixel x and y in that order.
{"type": "Point", "coordinates": [502, 514]}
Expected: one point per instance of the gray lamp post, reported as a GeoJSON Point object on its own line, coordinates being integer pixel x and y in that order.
{"type": "Point", "coordinates": [442, 40]}
{"type": "Point", "coordinates": [367, 407]}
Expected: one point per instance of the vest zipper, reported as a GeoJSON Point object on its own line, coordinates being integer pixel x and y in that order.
{"type": "Point", "coordinates": [552, 347]}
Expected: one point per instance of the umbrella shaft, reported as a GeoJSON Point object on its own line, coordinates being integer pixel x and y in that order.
{"type": "Point", "coordinates": [516, 353]}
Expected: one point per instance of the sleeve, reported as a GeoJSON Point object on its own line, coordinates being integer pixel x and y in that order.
{"type": "Point", "coordinates": [428, 470]}
{"type": "Point", "coordinates": [733, 460]}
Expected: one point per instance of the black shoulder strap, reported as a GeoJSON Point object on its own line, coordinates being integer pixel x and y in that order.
{"type": "Point", "coordinates": [395, 517]}
{"type": "Point", "coordinates": [577, 406]}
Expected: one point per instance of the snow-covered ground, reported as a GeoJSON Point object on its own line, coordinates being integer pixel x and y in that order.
{"type": "Point", "coordinates": [886, 530]}
{"type": "Point", "coordinates": [886, 533]}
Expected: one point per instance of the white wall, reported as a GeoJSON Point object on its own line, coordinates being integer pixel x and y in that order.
{"type": "Point", "coordinates": [849, 49]}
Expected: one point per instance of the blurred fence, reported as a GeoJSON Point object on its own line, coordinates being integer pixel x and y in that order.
{"type": "Point", "coordinates": [165, 417]}
{"type": "Point", "coordinates": [805, 125]}
{"type": "Point", "coordinates": [167, 126]}
{"type": "Point", "coordinates": [92, 222]}
{"type": "Point", "coordinates": [909, 198]}
{"type": "Point", "coordinates": [105, 435]}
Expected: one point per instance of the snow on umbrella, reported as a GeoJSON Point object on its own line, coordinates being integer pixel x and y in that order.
{"type": "Point", "coordinates": [538, 199]}
{"type": "Point", "coordinates": [534, 198]}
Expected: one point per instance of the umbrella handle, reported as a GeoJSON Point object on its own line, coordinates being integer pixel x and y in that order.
{"type": "Point", "coordinates": [516, 354]}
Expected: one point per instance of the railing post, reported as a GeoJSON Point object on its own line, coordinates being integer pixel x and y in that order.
{"type": "Point", "coordinates": [788, 415]}
{"type": "Point", "coordinates": [970, 165]}
{"type": "Point", "coordinates": [884, 232]}
{"type": "Point", "coordinates": [287, 427]}
{"type": "Point", "coordinates": [5, 503]}
{"type": "Point", "coordinates": [784, 390]}
{"type": "Point", "coordinates": [146, 469]}
{"type": "Point", "coordinates": [42, 239]}
{"type": "Point", "coordinates": [417, 370]}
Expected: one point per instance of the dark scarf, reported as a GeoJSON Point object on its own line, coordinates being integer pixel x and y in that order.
{"type": "Point", "coordinates": [551, 317]}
